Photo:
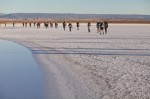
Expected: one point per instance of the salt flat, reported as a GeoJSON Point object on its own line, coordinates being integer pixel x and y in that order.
{"type": "Point", "coordinates": [89, 65]}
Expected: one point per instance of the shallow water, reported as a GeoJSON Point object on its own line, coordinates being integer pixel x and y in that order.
{"type": "Point", "coordinates": [20, 75]}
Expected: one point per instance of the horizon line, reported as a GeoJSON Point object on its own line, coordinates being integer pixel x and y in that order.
{"type": "Point", "coordinates": [69, 13]}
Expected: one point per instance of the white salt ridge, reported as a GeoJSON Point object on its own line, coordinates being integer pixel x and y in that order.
{"type": "Point", "coordinates": [88, 65]}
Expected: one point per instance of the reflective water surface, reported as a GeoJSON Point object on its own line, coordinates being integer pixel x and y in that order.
{"type": "Point", "coordinates": [20, 75]}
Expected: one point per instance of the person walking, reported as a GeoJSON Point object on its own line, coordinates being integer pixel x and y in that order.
{"type": "Point", "coordinates": [34, 24]}
{"type": "Point", "coordinates": [89, 25]}
{"type": "Point", "coordinates": [38, 25]}
{"type": "Point", "coordinates": [13, 24]}
{"type": "Point", "coordinates": [98, 26]}
{"type": "Point", "coordinates": [30, 24]}
{"type": "Point", "coordinates": [101, 27]}
{"type": "Point", "coordinates": [26, 24]}
{"type": "Point", "coordinates": [46, 25]}
{"type": "Point", "coordinates": [51, 24]}
{"type": "Point", "coordinates": [56, 25]}
{"type": "Point", "coordinates": [23, 24]}
{"type": "Point", "coordinates": [105, 26]}
{"type": "Point", "coordinates": [70, 26]}
{"type": "Point", "coordinates": [64, 25]}
{"type": "Point", "coordinates": [78, 25]}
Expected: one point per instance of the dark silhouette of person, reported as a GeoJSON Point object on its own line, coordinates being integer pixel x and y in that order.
{"type": "Point", "coordinates": [56, 25]}
{"type": "Point", "coordinates": [64, 25]}
{"type": "Point", "coordinates": [51, 25]}
{"type": "Point", "coordinates": [70, 26]}
{"type": "Point", "coordinates": [101, 27]}
{"type": "Point", "coordinates": [26, 24]}
{"type": "Point", "coordinates": [105, 26]}
{"type": "Point", "coordinates": [30, 24]}
{"type": "Point", "coordinates": [34, 24]}
{"type": "Point", "coordinates": [78, 25]}
{"type": "Point", "coordinates": [89, 25]}
{"type": "Point", "coordinates": [13, 24]}
{"type": "Point", "coordinates": [23, 24]}
{"type": "Point", "coordinates": [46, 24]}
{"type": "Point", "coordinates": [38, 25]}
{"type": "Point", "coordinates": [98, 26]}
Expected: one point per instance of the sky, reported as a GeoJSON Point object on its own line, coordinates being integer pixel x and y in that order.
{"type": "Point", "coordinates": [76, 6]}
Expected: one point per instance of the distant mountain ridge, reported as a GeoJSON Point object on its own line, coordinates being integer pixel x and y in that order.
{"type": "Point", "coordinates": [1, 14]}
{"type": "Point", "coordinates": [71, 16]}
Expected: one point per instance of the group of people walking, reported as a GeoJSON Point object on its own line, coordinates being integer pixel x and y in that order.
{"type": "Point", "coordinates": [69, 25]}
{"type": "Point", "coordinates": [101, 26]}
{"type": "Point", "coordinates": [46, 24]}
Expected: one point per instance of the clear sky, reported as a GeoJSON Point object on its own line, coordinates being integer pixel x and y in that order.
{"type": "Point", "coordinates": [76, 6]}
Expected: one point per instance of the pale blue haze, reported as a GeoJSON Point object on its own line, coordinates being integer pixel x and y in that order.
{"type": "Point", "coordinates": [76, 6]}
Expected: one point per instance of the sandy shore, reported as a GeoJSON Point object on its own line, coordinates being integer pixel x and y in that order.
{"type": "Point", "coordinates": [82, 65]}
